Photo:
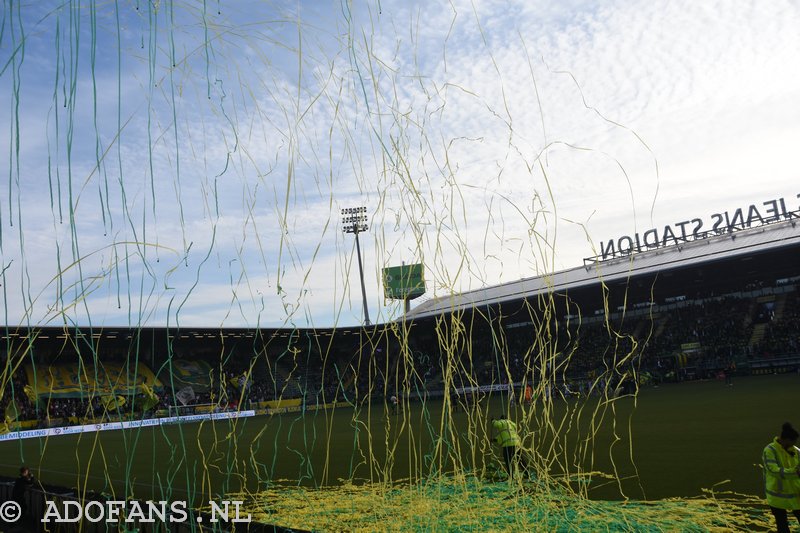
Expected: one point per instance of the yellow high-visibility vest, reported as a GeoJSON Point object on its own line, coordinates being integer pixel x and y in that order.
{"type": "Point", "coordinates": [506, 433]}
{"type": "Point", "coordinates": [781, 482]}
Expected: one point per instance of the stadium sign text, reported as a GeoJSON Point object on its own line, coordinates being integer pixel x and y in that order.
{"type": "Point", "coordinates": [404, 282]}
{"type": "Point", "coordinates": [698, 228]}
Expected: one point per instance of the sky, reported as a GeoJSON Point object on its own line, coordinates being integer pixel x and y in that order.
{"type": "Point", "coordinates": [185, 164]}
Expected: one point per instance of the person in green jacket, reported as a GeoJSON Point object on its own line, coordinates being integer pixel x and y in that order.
{"type": "Point", "coordinates": [506, 436]}
{"type": "Point", "coordinates": [781, 459]}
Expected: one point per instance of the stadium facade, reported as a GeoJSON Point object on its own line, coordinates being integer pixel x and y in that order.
{"type": "Point", "coordinates": [748, 261]}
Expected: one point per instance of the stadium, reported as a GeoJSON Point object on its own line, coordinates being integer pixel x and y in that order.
{"type": "Point", "coordinates": [660, 325]}
{"type": "Point", "coordinates": [187, 289]}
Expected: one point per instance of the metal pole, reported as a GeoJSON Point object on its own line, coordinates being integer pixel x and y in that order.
{"type": "Point", "coordinates": [355, 221]}
{"type": "Point", "coordinates": [361, 275]}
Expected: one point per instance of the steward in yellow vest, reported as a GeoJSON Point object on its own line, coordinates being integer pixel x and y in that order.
{"type": "Point", "coordinates": [506, 436]}
{"type": "Point", "coordinates": [781, 460]}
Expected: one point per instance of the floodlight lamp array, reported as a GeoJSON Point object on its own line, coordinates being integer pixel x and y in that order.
{"type": "Point", "coordinates": [354, 210]}
{"type": "Point", "coordinates": [355, 228]}
{"type": "Point", "coordinates": [354, 219]}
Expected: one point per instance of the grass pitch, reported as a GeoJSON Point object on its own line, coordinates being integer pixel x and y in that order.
{"type": "Point", "coordinates": [686, 438]}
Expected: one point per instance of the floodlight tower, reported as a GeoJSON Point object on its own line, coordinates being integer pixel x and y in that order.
{"type": "Point", "coordinates": [354, 220]}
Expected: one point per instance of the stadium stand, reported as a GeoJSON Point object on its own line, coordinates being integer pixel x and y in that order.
{"type": "Point", "coordinates": [659, 315]}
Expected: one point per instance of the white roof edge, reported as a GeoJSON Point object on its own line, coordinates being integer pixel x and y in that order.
{"type": "Point", "coordinates": [741, 242]}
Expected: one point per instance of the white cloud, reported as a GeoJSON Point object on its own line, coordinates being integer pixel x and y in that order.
{"type": "Point", "coordinates": [473, 131]}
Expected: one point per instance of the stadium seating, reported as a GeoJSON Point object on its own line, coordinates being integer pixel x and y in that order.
{"type": "Point", "coordinates": [694, 338]}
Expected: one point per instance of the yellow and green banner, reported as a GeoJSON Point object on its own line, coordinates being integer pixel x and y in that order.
{"type": "Point", "coordinates": [86, 380]}
{"type": "Point", "coordinates": [194, 374]}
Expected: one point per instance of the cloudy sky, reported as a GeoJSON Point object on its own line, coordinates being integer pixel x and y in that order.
{"type": "Point", "coordinates": [170, 163]}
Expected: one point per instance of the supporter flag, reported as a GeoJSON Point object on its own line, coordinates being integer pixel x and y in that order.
{"type": "Point", "coordinates": [240, 382]}
{"type": "Point", "coordinates": [112, 403]}
{"type": "Point", "coordinates": [12, 411]}
{"type": "Point", "coordinates": [185, 395]}
{"type": "Point", "coordinates": [150, 397]}
{"type": "Point", "coordinates": [30, 393]}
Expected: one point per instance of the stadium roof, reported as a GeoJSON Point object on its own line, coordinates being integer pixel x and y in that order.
{"type": "Point", "coordinates": [729, 245]}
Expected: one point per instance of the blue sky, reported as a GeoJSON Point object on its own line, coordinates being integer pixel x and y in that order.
{"type": "Point", "coordinates": [174, 165]}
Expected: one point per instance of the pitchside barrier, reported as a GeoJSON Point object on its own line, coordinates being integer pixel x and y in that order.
{"type": "Point", "coordinates": [300, 408]}
{"type": "Point", "coordinates": [133, 424]}
{"type": "Point", "coordinates": [127, 424]}
{"type": "Point", "coordinates": [194, 409]}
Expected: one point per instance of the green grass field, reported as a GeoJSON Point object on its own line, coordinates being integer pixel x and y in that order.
{"type": "Point", "coordinates": [686, 437]}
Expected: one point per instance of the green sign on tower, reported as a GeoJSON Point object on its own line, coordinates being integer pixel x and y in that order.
{"type": "Point", "coordinates": [404, 282]}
